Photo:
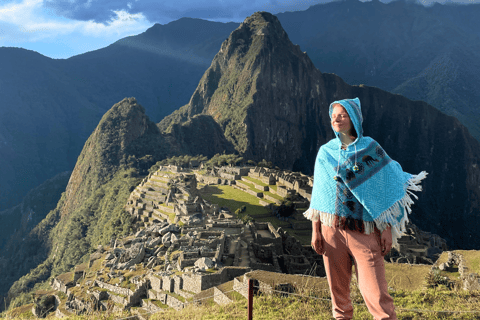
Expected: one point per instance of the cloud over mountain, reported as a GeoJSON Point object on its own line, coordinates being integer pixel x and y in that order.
{"type": "Point", "coordinates": [165, 11]}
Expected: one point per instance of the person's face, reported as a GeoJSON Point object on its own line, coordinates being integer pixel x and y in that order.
{"type": "Point", "coordinates": [341, 122]}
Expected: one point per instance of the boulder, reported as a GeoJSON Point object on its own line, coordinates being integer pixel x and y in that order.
{"type": "Point", "coordinates": [132, 256]}
{"type": "Point", "coordinates": [140, 233]}
{"type": "Point", "coordinates": [118, 252]}
{"type": "Point", "coordinates": [158, 251]}
{"type": "Point", "coordinates": [152, 261]}
{"type": "Point", "coordinates": [109, 256]}
{"type": "Point", "coordinates": [169, 228]}
{"type": "Point", "coordinates": [204, 263]}
{"type": "Point", "coordinates": [154, 242]}
{"type": "Point", "coordinates": [166, 237]}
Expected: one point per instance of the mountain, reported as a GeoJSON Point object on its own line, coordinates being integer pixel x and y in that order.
{"type": "Point", "coordinates": [49, 107]}
{"type": "Point", "coordinates": [39, 135]}
{"type": "Point", "coordinates": [91, 211]}
{"type": "Point", "coordinates": [17, 222]}
{"type": "Point", "coordinates": [272, 103]}
{"type": "Point", "coordinates": [423, 53]}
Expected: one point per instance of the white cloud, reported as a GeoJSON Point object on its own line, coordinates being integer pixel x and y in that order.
{"type": "Point", "coordinates": [28, 20]}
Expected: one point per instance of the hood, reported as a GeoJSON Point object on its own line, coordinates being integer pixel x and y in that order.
{"type": "Point", "coordinates": [353, 108]}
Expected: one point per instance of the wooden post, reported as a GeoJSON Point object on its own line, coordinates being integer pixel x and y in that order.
{"type": "Point", "coordinates": [250, 298]}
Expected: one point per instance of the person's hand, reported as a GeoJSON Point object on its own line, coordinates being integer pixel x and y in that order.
{"type": "Point", "coordinates": [317, 242]}
{"type": "Point", "coordinates": [386, 241]}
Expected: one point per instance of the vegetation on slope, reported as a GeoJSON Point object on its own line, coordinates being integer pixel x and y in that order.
{"type": "Point", "coordinates": [100, 218]}
{"type": "Point", "coordinates": [115, 158]}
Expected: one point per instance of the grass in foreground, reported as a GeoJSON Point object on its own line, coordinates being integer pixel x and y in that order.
{"type": "Point", "coordinates": [408, 307]}
{"type": "Point", "coordinates": [472, 258]}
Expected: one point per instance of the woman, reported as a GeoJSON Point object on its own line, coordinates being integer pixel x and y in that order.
{"type": "Point", "coordinates": [359, 206]}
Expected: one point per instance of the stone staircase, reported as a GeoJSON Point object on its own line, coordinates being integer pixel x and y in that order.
{"type": "Point", "coordinates": [153, 199]}
{"type": "Point", "coordinates": [244, 247]}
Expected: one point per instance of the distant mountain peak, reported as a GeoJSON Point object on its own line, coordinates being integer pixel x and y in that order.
{"type": "Point", "coordinates": [256, 69]}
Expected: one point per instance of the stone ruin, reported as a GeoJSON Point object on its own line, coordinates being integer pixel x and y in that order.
{"type": "Point", "coordinates": [183, 245]}
{"type": "Point", "coordinates": [456, 263]}
{"type": "Point", "coordinates": [417, 247]}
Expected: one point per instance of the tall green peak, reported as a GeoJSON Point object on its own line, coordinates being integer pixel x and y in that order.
{"type": "Point", "coordinates": [123, 136]}
{"type": "Point", "coordinates": [254, 73]}
{"type": "Point", "coordinates": [116, 156]}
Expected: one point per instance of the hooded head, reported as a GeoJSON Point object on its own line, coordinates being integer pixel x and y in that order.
{"type": "Point", "coordinates": [352, 106]}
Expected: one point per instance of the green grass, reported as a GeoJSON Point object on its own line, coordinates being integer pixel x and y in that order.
{"type": "Point", "coordinates": [273, 195]}
{"type": "Point", "coordinates": [406, 277]}
{"type": "Point", "coordinates": [227, 196]}
{"type": "Point", "coordinates": [256, 181]}
{"type": "Point", "coordinates": [251, 186]}
{"type": "Point", "coordinates": [472, 258]}
{"type": "Point", "coordinates": [275, 307]}
{"type": "Point", "coordinates": [173, 294]}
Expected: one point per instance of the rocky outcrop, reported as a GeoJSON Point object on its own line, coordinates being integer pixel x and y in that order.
{"type": "Point", "coordinates": [272, 103]}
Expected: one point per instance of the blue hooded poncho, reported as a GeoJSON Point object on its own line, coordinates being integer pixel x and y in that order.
{"type": "Point", "coordinates": [361, 187]}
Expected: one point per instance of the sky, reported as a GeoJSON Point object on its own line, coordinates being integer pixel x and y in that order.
{"type": "Point", "coordinates": [60, 29]}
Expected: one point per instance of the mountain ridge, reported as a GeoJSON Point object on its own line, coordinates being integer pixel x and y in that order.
{"type": "Point", "coordinates": [74, 93]}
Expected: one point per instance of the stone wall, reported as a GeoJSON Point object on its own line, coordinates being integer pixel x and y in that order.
{"type": "Point", "coordinates": [275, 200]}
{"type": "Point", "coordinates": [207, 179]}
{"type": "Point", "coordinates": [117, 290]}
{"type": "Point", "coordinates": [192, 282]}
{"type": "Point", "coordinates": [150, 306]}
{"type": "Point", "coordinates": [240, 287]}
{"type": "Point", "coordinates": [219, 297]}
{"type": "Point", "coordinates": [220, 248]}
{"type": "Point", "coordinates": [196, 283]}
{"type": "Point", "coordinates": [138, 294]}
{"type": "Point", "coordinates": [229, 176]}
{"type": "Point", "coordinates": [174, 302]}
{"type": "Point", "coordinates": [470, 280]}
{"type": "Point", "coordinates": [241, 171]}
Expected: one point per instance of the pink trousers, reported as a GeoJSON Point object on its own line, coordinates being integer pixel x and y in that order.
{"type": "Point", "coordinates": [340, 245]}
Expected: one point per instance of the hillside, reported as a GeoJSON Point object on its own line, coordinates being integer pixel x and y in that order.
{"type": "Point", "coordinates": [424, 53]}
{"type": "Point", "coordinates": [50, 107]}
{"type": "Point", "coordinates": [182, 270]}
{"type": "Point", "coordinates": [17, 222]}
{"type": "Point", "coordinates": [91, 211]}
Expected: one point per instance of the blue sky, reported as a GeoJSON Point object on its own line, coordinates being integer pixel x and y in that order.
{"type": "Point", "coordinates": [63, 28]}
